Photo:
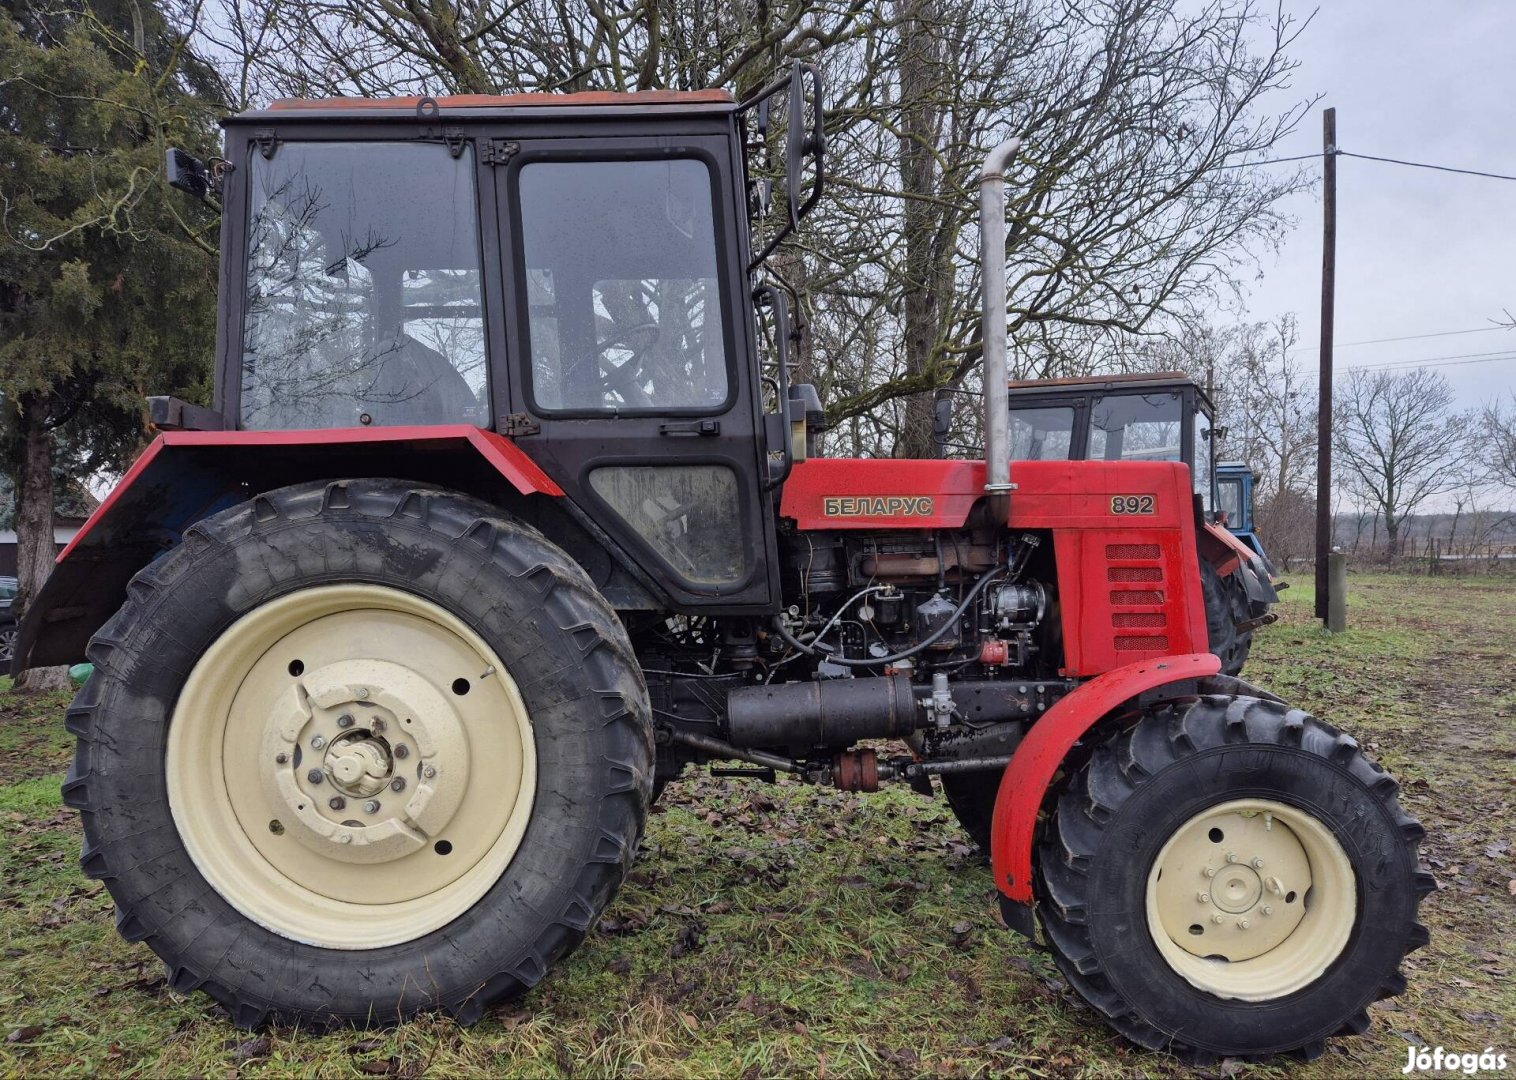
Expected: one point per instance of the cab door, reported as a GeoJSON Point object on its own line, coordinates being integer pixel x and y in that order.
{"type": "Point", "coordinates": [630, 349]}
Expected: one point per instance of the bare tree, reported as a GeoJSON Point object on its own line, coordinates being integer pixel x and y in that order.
{"type": "Point", "coordinates": [1497, 434]}
{"type": "Point", "coordinates": [1131, 205]}
{"type": "Point", "coordinates": [1399, 441]}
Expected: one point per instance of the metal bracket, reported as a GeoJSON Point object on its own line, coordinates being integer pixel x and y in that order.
{"type": "Point", "coordinates": [267, 142]}
{"type": "Point", "coordinates": [518, 424]}
{"type": "Point", "coordinates": [498, 151]}
{"type": "Point", "coordinates": [429, 115]}
{"type": "Point", "coordinates": [707, 428]}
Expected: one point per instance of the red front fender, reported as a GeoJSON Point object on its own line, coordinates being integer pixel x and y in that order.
{"type": "Point", "coordinates": [184, 476]}
{"type": "Point", "coordinates": [1041, 754]}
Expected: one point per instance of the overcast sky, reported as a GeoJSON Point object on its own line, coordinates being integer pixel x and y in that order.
{"type": "Point", "coordinates": [1418, 252]}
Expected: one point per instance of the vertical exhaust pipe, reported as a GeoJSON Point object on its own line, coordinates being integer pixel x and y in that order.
{"type": "Point", "coordinates": [997, 406]}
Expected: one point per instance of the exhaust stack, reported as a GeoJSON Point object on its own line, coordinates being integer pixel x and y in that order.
{"type": "Point", "coordinates": [997, 407]}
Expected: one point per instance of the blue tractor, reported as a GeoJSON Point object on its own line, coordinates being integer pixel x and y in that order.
{"type": "Point", "coordinates": [1234, 507]}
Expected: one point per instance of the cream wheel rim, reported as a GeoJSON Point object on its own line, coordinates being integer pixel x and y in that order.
{"type": "Point", "coordinates": [1251, 900]}
{"type": "Point", "coordinates": [350, 766]}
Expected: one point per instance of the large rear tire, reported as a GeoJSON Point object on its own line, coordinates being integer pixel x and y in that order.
{"type": "Point", "coordinates": [1229, 877]}
{"type": "Point", "coordinates": [357, 750]}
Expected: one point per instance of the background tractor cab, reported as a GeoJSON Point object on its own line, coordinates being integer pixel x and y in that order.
{"type": "Point", "coordinates": [1235, 481]}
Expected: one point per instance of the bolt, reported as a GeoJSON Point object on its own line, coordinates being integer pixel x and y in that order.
{"type": "Point", "coordinates": [397, 784]}
{"type": "Point", "coordinates": [1242, 924]}
{"type": "Point", "coordinates": [1204, 898]}
{"type": "Point", "coordinates": [1267, 910]}
{"type": "Point", "coordinates": [281, 757]}
{"type": "Point", "coordinates": [1208, 872]}
{"type": "Point", "coordinates": [317, 743]}
{"type": "Point", "coordinates": [402, 751]}
{"type": "Point", "coordinates": [1218, 919]}
{"type": "Point", "coordinates": [429, 772]}
{"type": "Point", "coordinates": [345, 720]}
{"type": "Point", "coordinates": [1231, 856]}
{"type": "Point", "coordinates": [376, 725]}
{"type": "Point", "coordinates": [344, 838]}
{"type": "Point", "coordinates": [1257, 863]}
{"type": "Point", "coordinates": [314, 776]}
{"type": "Point", "coordinates": [361, 693]}
{"type": "Point", "coordinates": [371, 807]}
{"type": "Point", "coordinates": [336, 802]}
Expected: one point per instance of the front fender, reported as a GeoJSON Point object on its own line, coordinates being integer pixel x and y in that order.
{"type": "Point", "coordinates": [184, 476]}
{"type": "Point", "coordinates": [1039, 757]}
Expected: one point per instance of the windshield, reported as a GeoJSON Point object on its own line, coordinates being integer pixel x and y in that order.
{"type": "Point", "coordinates": [363, 288]}
{"type": "Point", "coordinates": [623, 300]}
{"type": "Point", "coordinates": [1229, 502]}
{"type": "Point", "coordinates": [1041, 434]}
{"type": "Point", "coordinates": [1136, 427]}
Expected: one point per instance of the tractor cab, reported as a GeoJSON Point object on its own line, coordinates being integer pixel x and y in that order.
{"type": "Point", "coordinates": [573, 272]}
{"type": "Point", "coordinates": [1234, 505]}
{"type": "Point", "coordinates": [1161, 416]}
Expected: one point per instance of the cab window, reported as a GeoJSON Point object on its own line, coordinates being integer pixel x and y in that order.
{"type": "Point", "coordinates": [363, 294]}
{"type": "Point", "coordinates": [1137, 427]}
{"type": "Point", "coordinates": [623, 294]}
{"type": "Point", "coordinates": [1041, 434]}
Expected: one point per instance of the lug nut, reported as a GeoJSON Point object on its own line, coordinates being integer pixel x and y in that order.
{"type": "Point", "coordinates": [1204, 898]}
{"type": "Point", "coordinates": [345, 720]}
{"type": "Point", "coordinates": [337, 802]}
{"type": "Point", "coordinates": [371, 807]}
{"type": "Point", "coordinates": [402, 751]}
{"type": "Point", "coordinates": [1257, 863]}
{"type": "Point", "coordinates": [318, 742]}
{"type": "Point", "coordinates": [1267, 910]}
{"type": "Point", "coordinates": [1242, 924]}
{"type": "Point", "coordinates": [429, 772]}
{"type": "Point", "coordinates": [281, 757]}
{"type": "Point", "coordinates": [1231, 856]}
{"type": "Point", "coordinates": [376, 725]}
{"type": "Point", "coordinates": [314, 776]}
{"type": "Point", "coordinates": [361, 693]}
{"type": "Point", "coordinates": [344, 838]}
{"type": "Point", "coordinates": [1218, 919]}
{"type": "Point", "coordinates": [397, 784]}
{"type": "Point", "coordinates": [1208, 872]}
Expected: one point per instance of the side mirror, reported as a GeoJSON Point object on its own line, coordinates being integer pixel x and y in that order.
{"type": "Point", "coordinates": [190, 175]}
{"type": "Point", "coordinates": [802, 143]}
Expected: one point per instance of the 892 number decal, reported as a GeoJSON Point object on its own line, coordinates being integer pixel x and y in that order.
{"type": "Point", "coordinates": [1133, 504]}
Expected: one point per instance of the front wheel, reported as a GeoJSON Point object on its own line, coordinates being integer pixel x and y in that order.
{"type": "Point", "coordinates": [1228, 877]}
{"type": "Point", "coordinates": [360, 749]}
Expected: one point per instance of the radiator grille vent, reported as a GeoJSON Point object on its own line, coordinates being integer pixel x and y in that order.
{"type": "Point", "coordinates": [1139, 620]}
{"type": "Point", "coordinates": [1132, 551]}
{"type": "Point", "coordinates": [1146, 643]}
{"type": "Point", "coordinates": [1128, 574]}
{"type": "Point", "coordinates": [1136, 597]}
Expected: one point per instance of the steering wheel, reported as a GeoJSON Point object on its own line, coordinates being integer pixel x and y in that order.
{"type": "Point", "coordinates": [622, 378]}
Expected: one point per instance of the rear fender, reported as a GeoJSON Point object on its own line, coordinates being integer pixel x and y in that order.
{"type": "Point", "coordinates": [185, 476]}
{"type": "Point", "coordinates": [1028, 778]}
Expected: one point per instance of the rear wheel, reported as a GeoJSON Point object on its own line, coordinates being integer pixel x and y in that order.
{"type": "Point", "coordinates": [1229, 877]}
{"type": "Point", "coordinates": [1221, 620]}
{"type": "Point", "coordinates": [361, 749]}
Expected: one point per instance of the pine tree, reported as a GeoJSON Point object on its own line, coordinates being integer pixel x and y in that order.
{"type": "Point", "coordinates": [107, 278]}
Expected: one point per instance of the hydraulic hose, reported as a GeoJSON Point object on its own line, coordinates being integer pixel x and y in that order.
{"type": "Point", "coordinates": [874, 661]}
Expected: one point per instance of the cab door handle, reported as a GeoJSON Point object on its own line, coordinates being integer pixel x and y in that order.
{"type": "Point", "coordinates": [707, 428]}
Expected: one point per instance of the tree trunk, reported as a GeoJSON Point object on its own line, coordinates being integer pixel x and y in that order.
{"type": "Point", "coordinates": [921, 121]}
{"type": "Point", "coordinates": [35, 546]}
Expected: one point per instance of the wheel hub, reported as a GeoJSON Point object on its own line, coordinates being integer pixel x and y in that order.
{"type": "Point", "coordinates": [355, 728]}
{"type": "Point", "coordinates": [1250, 899]}
{"type": "Point", "coordinates": [351, 765]}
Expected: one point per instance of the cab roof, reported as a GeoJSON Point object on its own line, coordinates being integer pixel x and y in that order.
{"type": "Point", "coordinates": [483, 104]}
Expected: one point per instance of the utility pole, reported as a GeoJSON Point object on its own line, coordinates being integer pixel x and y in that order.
{"type": "Point", "coordinates": [1324, 399]}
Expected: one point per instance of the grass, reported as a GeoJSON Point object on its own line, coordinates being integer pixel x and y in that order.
{"type": "Point", "coordinates": [783, 930]}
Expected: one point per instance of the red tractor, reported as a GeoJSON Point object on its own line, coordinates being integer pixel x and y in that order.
{"type": "Point", "coordinates": [497, 523]}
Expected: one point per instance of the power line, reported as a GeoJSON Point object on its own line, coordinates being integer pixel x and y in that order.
{"type": "Point", "coordinates": [1270, 161]}
{"type": "Point", "coordinates": [1435, 362]}
{"type": "Point", "coordinates": [1407, 337]}
{"type": "Point", "coordinates": [1424, 165]}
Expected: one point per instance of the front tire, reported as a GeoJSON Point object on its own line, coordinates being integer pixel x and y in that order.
{"type": "Point", "coordinates": [357, 750]}
{"type": "Point", "coordinates": [1169, 843]}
